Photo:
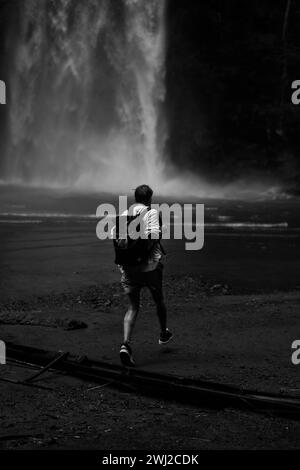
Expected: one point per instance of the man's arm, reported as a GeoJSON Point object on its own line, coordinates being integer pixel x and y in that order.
{"type": "Point", "coordinates": [152, 229]}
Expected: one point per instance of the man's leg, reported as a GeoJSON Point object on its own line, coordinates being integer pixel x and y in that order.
{"type": "Point", "coordinates": [129, 322]}
{"type": "Point", "coordinates": [132, 289]}
{"type": "Point", "coordinates": [131, 314]}
{"type": "Point", "coordinates": [156, 289]}
{"type": "Point", "coordinates": [161, 309]}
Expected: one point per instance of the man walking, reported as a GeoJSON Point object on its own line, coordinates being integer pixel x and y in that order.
{"type": "Point", "coordinates": [146, 272]}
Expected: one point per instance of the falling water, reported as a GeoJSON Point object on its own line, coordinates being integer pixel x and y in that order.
{"type": "Point", "coordinates": [87, 89]}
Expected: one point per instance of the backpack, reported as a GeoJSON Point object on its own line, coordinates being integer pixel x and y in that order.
{"type": "Point", "coordinates": [130, 251]}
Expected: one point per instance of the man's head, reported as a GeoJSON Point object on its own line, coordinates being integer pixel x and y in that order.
{"type": "Point", "coordinates": [143, 194]}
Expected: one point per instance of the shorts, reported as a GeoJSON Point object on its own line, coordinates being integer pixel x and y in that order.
{"type": "Point", "coordinates": [135, 281]}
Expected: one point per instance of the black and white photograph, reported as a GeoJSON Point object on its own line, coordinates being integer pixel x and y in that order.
{"type": "Point", "coordinates": [149, 229]}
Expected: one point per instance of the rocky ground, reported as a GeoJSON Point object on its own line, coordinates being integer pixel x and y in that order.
{"type": "Point", "coordinates": [239, 339]}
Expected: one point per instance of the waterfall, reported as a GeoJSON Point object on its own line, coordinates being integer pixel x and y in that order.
{"type": "Point", "coordinates": [86, 87]}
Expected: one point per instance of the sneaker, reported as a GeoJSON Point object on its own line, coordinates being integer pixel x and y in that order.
{"type": "Point", "coordinates": [126, 355]}
{"type": "Point", "coordinates": [165, 337]}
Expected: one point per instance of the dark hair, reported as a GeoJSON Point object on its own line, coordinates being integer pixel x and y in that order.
{"type": "Point", "coordinates": [143, 194]}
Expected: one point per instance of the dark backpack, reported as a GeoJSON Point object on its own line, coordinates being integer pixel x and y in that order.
{"type": "Point", "coordinates": [130, 251]}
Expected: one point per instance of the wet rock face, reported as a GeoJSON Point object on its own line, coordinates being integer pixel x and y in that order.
{"type": "Point", "coordinates": [224, 85]}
